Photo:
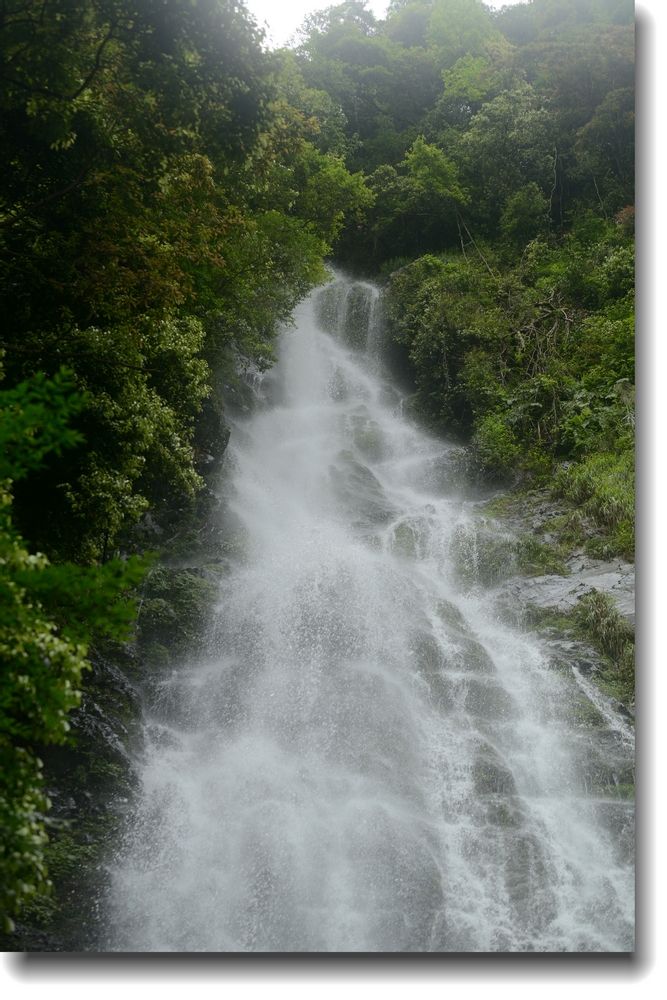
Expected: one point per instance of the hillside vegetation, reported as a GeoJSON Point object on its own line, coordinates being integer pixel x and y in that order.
{"type": "Point", "coordinates": [499, 150]}
{"type": "Point", "coordinates": [172, 189]}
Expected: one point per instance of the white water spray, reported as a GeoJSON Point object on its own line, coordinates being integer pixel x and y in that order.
{"type": "Point", "coordinates": [368, 759]}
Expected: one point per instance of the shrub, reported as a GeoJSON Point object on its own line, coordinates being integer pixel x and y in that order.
{"type": "Point", "coordinates": [48, 616]}
{"type": "Point", "coordinates": [603, 485]}
{"type": "Point", "coordinates": [495, 447]}
{"type": "Point", "coordinates": [611, 633]}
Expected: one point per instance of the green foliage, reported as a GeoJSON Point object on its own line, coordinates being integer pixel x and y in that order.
{"type": "Point", "coordinates": [525, 215]}
{"type": "Point", "coordinates": [603, 485]}
{"type": "Point", "coordinates": [22, 808]}
{"type": "Point", "coordinates": [175, 605]}
{"type": "Point", "coordinates": [599, 619]}
{"type": "Point", "coordinates": [313, 109]}
{"type": "Point", "coordinates": [495, 445]}
{"type": "Point", "coordinates": [330, 194]}
{"type": "Point", "coordinates": [535, 122]}
{"type": "Point", "coordinates": [432, 174]}
{"type": "Point", "coordinates": [533, 362]}
{"type": "Point", "coordinates": [414, 202]}
{"type": "Point", "coordinates": [142, 389]}
{"type": "Point", "coordinates": [605, 146]}
{"type": "Point", "coordinates": [457, 28]}
{"type": "Point", "coordinates": [165, 209]}
{"type": "Point", "coordinates": [446, 311]}
{"type": "Point", "coordinates": [507, 146]}
{"type": "Point", "coordinates": [48, 615]}
{"type": "Point", "coordinates": [35, 422]}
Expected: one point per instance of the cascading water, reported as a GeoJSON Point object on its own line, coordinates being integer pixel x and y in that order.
{"type": "Point", "coordinates": [368, 758]}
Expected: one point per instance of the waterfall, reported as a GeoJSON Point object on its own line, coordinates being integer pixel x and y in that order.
{"type": "Point", "coordinates": [368, 756]}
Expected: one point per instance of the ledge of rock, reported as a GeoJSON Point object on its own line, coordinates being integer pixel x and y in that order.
{"type": "Point", "coordinates": [561, 593]}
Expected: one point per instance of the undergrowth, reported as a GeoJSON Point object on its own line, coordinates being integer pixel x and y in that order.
{"type": "Point", "coordinates": [602, 485]}
{"type": "Point", "coordinates": [597, 616]}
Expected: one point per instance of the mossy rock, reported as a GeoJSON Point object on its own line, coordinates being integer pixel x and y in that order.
{"type": "Point", "coordinates": [368, 438]}
{"type": "Point", "coordinates": [503, 811]}
{"type": "Point", "coordinates": [360, 492]}
{"type": "Point", "coordinates": [491, 776]}
{"type": "Point", "coordinates": [485, 557]}
{"type": "Point", "coordinates": [329, 305]}
{"type": "Point", "coordinates": [482, 557]}
{"type": "Point", "coordinates": [470, 655]}
{"type": "Point", "coordinates": [489, 700]}
{"type": "Point", "coordinates": [428, 660]}
{"type": "Point", "coordinates": [156, 654]}
{"type": "Point", "coordinates": [536, 558]}
{"type": "Point", "coordinates": [337, 386]}
{"type": "Point", "coordinates": [450, 615]}
{"type": "Point", "coordinates": [175, 607]}
{"type": "Point", "coordinates": [405, 539]}
{"type": "Point", "coordinates": [158, 616]}
{"type": "Point", "coordinates": [584, 713]}
{"type": "Point", "coordinates": [527, 882]}
{"type": "Point", "coordinates": [426, 653]}
{"type": "Point", "coordinates": [357, 313]}
{"type": "Point", "coordinates": [473, 658]}
{"type": "Point", "coordinates": [623, 790]}
{"type": "Point", "coordinates": [500, 506]}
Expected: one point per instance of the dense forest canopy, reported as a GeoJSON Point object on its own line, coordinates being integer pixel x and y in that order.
{"type": "Point", "coordinates": [171, 190]}
{"type": "Point", "coordinates": [529, 111]}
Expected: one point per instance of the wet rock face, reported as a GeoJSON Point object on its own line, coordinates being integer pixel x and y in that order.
{"type": "Point", "coordinates": [488, 700]}
{"type": "Point", "coordinates": [355, 487]}
{"type": "Point", "coordinates": [367, 437]}
{"type": "Point", "coordinates": [357, 315]}
{"type": "Point", "coordinates": [562, 593]}
{"type": "Point", "coordinates": [491, 776]}
{"type": "Point", "coordinates": [539, 516]}
{"type": "Point", "coordinates": [346, 310]}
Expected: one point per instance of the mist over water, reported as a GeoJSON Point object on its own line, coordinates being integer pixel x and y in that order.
{"type": "Point", "coordinates": [367, 758]}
